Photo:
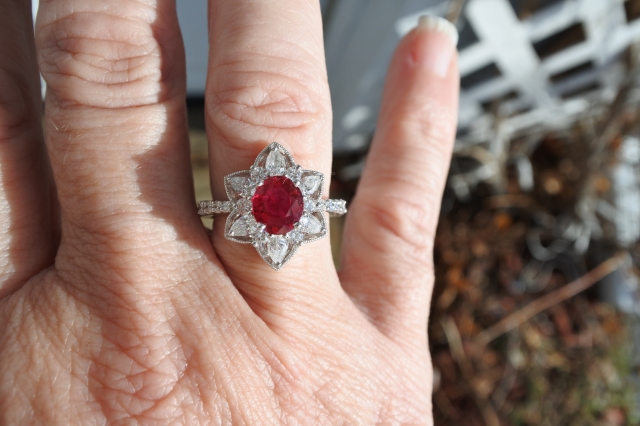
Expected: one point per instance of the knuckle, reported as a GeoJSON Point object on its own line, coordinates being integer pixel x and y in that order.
{"type": "Point", "coordinates": [429, 121]}
{"type": "Point", "coordinates": [100, 60]}
{"type": "Point", "coordinates": [406, 223]}
{"type": "Point", "coordinates": [437, 124]}
{"type": "Point", "coordinates": [258, 106]}
{"type": "Point", "coordinates": [436, 120]}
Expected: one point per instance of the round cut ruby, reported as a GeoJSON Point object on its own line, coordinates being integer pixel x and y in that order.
{"type": "Point", "coordinates": [278, 204]}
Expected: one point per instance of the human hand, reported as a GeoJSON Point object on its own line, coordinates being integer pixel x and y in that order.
{"type": "Point", "coordinates": [117, 308]}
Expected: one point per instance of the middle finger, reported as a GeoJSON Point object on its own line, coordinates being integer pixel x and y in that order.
{"type": "Point", "coordinates": [116, 132]}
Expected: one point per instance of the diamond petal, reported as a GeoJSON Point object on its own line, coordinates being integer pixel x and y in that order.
{"type": "Point", "coordinates": [239, 228]}
{"type": "Point", "coordinates": [261, 159]}
{"type": "Point", "coordinates": [313, 226]}
{"type": "Point", "coordinates": [311, 183]}
{"type": "Point", "coordinates": [276, 250]}
{"type": "Point", "coordinates": [236, 184]}
{"type": "Point", "coordinates": [278, 247]}
{"type": "Point", "coordinates": [276, 163]}
{"type": "Point", "coordinates": [310, 224]}
{"type": "Point", "coordinates": [239, 183]}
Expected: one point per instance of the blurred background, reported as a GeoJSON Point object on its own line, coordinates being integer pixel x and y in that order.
{"type": "Point", "coordinates": [535, 313]}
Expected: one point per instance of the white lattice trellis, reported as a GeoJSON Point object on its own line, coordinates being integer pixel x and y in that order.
{"type": "Point", "coordinates": [537, 89]}
{"type": "Point", "coordinates": [512, 86]}
{"type": "Point", "coordinates": [508, 44]}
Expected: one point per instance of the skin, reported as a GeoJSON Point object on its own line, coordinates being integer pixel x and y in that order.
{"type": "Point", "coordinates": [117, 307]}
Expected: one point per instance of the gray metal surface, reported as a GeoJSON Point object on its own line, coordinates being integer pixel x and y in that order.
{"type": "Point", "coordinates": [192, 15]}
{"type": "Point", "coordinates": [360, 37]}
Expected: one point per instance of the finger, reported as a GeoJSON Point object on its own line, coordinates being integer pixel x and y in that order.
{"type": "Point", "coordinates": [26, 230]}
{"type": "Point", "coordinates": [388, 241]}
{"type": "Point", "coordinates": [116, 125]}
{"type": "Point", "coordinates": [267, 82]}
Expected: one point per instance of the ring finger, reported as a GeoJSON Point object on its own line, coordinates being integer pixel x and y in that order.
{"type": "Point", "coordinates": [267, 82]}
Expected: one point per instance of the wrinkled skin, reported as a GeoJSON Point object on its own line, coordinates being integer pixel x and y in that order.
{"type": "Point", "coordinates": [117, 307]}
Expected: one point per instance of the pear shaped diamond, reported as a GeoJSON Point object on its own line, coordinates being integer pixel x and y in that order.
{"type": "Point", "coordinates": [277, 248]}
{"type": "Point", "coordinates": [276, 163]}
{"type": "Point", "coordinates": [240, 228]}
{"type": "Point", "coordinates": [239, 184]}
{"type": "Point", "coordinates": [310, 224]}
{"type": "Point", "coordinates": [311, 183]}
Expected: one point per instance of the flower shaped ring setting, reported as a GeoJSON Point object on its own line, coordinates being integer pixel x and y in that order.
{"type": "Point", "coordinates": [276, 206]}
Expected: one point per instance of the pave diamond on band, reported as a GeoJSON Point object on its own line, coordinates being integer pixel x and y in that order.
{"type": "Point", "coordinates": [276, 206]}
{"type": "Point", "coordinates": [208, 208]}
{"type": "Point", "coordinates": [333, 207]}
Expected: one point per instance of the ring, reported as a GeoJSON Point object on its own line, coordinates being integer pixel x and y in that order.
{"type": "Point", "coordinates": [276, 206]}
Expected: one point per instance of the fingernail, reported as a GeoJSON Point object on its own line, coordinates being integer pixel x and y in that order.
{"type": "Point", "coordinates": [436, 52]}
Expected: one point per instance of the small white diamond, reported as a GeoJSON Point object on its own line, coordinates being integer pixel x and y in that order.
{"type": "Point", "coordinates": [310, 205]}
{"type": "Point", "coordinates": [311, 183]}
{"type": "Point", "coordinates": [294, 173]}
{"type": "Point", "coordinates": [276, 163]}
{"type": "Point", "coordinates": [244, 206]}
{"type": "Point", "coordinates": [256, 231]}
{"type": "Point", "coordinates": [239, 228]}
{"type": "Point", "coordinates": [258, 174]}
{"type": "Point", "coordinates": [260, 242]}
{"type": "Point", "coordinates": [310, 224]}
{"type": "Point", "coordinates": [278, 247]}
{"type": "Point", "coordinates": [295, 236]}
{"type": "Point", "coordinates": [239, 184]}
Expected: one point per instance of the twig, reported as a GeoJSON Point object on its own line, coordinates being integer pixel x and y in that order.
{"type": "Point", "coordinates": [444, 404]}
{"type": "Point", "coordinates": [545, 302]}
{"type": "Point", "coordinates": [457, 352]}
{"type": "Point", "coordinates": [509, 375]}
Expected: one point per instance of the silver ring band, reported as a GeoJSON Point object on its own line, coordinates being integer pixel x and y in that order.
{"type": "Point", "coordinates": [333, 207]}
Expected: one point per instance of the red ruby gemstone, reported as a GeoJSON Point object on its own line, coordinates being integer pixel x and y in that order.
{"type": "Point", "coordinates": [278, 204]}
